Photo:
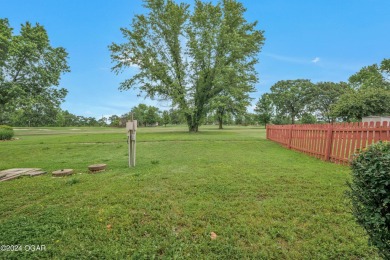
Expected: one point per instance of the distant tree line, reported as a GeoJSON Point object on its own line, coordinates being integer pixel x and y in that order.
{"type": "Point", "coordinates": [300, 101]}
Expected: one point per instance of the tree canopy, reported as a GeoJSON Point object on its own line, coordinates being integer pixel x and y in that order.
{"type": "Point", "coordinates": [326, 95]}
{"type": "Point", "coordinates": [189, 57]}
{"type": "Point", "coordinates": [234, 103]}
{"type": "Point", "coordinates": [370, 93]}
{"type": "Point", "coordinates": [292, 97]}
{"type": "Point", "coordinates": [30, 68]}
{"type": "Point", "coordinates": [265, 109]}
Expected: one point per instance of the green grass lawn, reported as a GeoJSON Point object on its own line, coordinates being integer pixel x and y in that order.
{"type": "Point", "coordinates": [262, 200]}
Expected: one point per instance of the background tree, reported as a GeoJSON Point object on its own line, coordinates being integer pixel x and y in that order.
{"type": "Point", "coordinates": [357, 104]}
{"type": "Point", "coordinates": [114, 120]}
{"type": "Point", "coordinates": [264, 109]}
{"type": "Point", "coordinates": [152, 115]}
{"type": "Point", "coordinates": [5, 40]}
{"type": "Point", "coordinates": [139, 113]}
{"type": "Point", "coordinates": [102, 121]}
{"type": "Point", "coordinates": [166, 119]}
{"type": "Point", "coordinates": [308, 118]}
{"type": "Point", "coordinates": [326, 96]}
{"type": "Point", "coordinates": [69, 119]}
{"type": "Point", "coordinates": [385, 68]}
{"type": "Point", "coordinates": [189, 58]}
{"type": "Point", "coordinates": [144, 114]}
{"type": "Point", "coordinates": [245, 118]}
{"type": "Point", "coordinates": [370, 77]}
{"type": "Point", "coordinates": [176, 117]}
{"type": "Point", "coordinates": [30, 68]}
{"type": "Point", "coordinates": [370, 94]}
{"type": "Point", "coordinates": [38, 111]}
{"type": "Point", "coordinates": [233, 103]}
{"type": "Point", "coordinates": [292, 97]}
{"type": "Point", "coordinates": [281, 119]}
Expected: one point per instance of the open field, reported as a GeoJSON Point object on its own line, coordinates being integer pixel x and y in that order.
{"type": "Point", "coordinates": [263, 201]}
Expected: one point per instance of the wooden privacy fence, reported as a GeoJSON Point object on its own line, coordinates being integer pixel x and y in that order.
{"type": "Point", "coordinates": [330, 142]}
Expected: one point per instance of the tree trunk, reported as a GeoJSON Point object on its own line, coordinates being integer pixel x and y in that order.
{"type": "Point", "coordinates": [220, 113]}
{"type": "Point", "coordinates": [193, 127]}
{"type": "Point", "coordinates": [192, 123]}
{"type": "Point", "coordinates": [194, 118]}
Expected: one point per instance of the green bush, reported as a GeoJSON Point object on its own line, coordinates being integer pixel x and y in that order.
{"type": "Point", "coordinates": [6, 132]}
{"type": "Point", "coordinates": [370, 194]}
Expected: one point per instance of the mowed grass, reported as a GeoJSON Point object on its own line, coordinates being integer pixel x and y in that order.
{"type": "Point", "coordinates": [262, 200]}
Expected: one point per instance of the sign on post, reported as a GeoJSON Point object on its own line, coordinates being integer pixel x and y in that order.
{"type": "Point", "coordinates": [131, 127]}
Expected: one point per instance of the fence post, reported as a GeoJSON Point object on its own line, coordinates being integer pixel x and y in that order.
{"type": "Point", "coordinates": [290, 136]}
{"type": "Point", "coordinates": [329, 142]}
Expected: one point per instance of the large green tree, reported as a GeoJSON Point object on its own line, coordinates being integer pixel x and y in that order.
{"type": "Point", "coordinates": [5, 41]}
{"type": "Point", "coordinates": [357, 104]}
{"type": "Point", "coordinates": [292, 97]}
{"type": "Point", "coordinates": [152, 115]}
{"type": "Point", "coordinates": [145, 115]}
{"type": "Point", "coordinates": [189, 57]}
{"type": "Point", "coordinates": [139, 113]}
{"type": "Point", "coordinates": [373, 76]}
{"type": "Point", "coordinates": [30, 68]}
{"type": "Point", "coordinates": [326, 96]}
{"type": "Point", "coordinates": [369, 95]}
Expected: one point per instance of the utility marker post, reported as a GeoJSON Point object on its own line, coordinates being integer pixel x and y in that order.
{"type": "Point", "coordinates": [131, 127]}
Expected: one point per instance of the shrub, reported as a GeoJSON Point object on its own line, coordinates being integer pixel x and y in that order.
{"type": "Point", "coordinates": [6, 132]}
{"type": "Point", "coordinates": [370, 194]}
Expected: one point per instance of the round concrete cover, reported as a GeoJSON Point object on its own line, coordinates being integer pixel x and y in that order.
{"type": "Point", "coordinates": [97, 167]}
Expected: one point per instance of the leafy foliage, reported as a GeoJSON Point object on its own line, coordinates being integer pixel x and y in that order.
{"type": "Point", "coordinates": [370, 77]}
{"type": "Point", "coordinates": [166, 119]}
{"type": "Point", "coordinates": [6, 132]}
{"type": "Point", "coordinates": [370, 194]}
{"type": "Point", "coordinates": [292, 97]}
{"type": "Point", "coordinates": [326, 96]}
{"type": "Point", "coordinates": [265, 109]}
{"type": "Point", "coordinates": [356, 104]}
{"type": "Point", "coordinates": [308, 118]}
{"type": "Point", "coordinates": [280, 119]}
{"type": "Point", "coordinates": [385, 68]}
{"type": "Point", "coordinates": [370, 93]}
{"type": "Point", "coordinates": [189, 58]}
{"type": "Point", "coordinates": [29, 68]}
{"type": "Point", "coordinates": [176, 116]}
{"type": "Point", "coordinates": [233, 103]}
{"type": "Point", "coordinates": [145, 115]}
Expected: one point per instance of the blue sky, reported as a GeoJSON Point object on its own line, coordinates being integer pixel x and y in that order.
{"type": "Point", "coordinates": [317, 40]}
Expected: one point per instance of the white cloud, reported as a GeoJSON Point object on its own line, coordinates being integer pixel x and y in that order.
{"type": "Point", "coordinates": [286, 58]}
{"type": "Point", "coordinates": [315, 60]}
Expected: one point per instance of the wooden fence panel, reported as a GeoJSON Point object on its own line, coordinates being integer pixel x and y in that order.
{"type": "Point", "coordinates": [331, 142]}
